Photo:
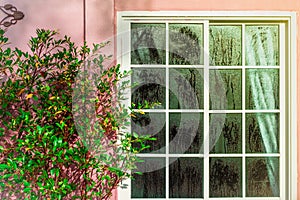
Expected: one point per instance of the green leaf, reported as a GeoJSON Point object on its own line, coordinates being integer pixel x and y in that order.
{"type": "Point", "coordinates": [139, 173]}
{"type": "Point", "coordinates": [135, 135]}
{"type": "Point", "coordinates": [26, 190]}
{"type": "Point", "coordinates": [8, 62]}
{"type": "Point", "coordinates": [106, 177]}
{"type": "Point", "coordinates": [5, 176]}
{"type": "Point", "coordinates": [12, 163]}
{"type": "Point", "coordinates": [4, 166]}
{"type": "Point", "coordinates": [26, 184]}
{"type": "Point", "coordinates": [35, 97]}
{"type": "Point", "coordinates": [19, 52]}
{"type": "Point", "coordinates": [54, 171]}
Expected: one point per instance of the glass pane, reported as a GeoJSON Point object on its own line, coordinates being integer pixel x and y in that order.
{"type": "Point", "coordinates": [186, 133]}
{"type": "Point", "coordinates": [262, 45]}
{"type": "Point", "coordinates": [186, 178]}
{"type": "Point", "coordinates": [262, 89]}
{"type": "Point", "coordinates": [186, 88]}
{"type": "Point", "coordinates": [262, 177]}
{"type": "Point", "coordinates": [262, 133]}
{"type": "Point", "coordinates": [225, 133]}
{"type": "Point", "coordinates": [148, 43]}
{"type": "Point", "coordinates": [152, 183]}
{"type": "Point", "coordinates": [150, 124]}
{"type": "Point", "coordinates": [225, 177]}
{"type": "Point", "coordinates": [225, 45]}
{"type": "Point", "coordinates": [149, 89]}
{"type": "Point", "coordinates": [225, 87]}
{"type": "Point", "coordinates": [186, 44]}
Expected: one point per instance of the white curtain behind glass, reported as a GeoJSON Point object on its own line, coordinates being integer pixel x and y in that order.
{"type": "Point", "coordinates": [260, 51]}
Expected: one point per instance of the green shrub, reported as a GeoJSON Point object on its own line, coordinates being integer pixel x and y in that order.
{"type": "Point", "coordinates": [43, 156]}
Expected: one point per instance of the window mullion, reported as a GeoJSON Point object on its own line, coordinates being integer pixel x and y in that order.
{"type": "Point", "coordinates": [206, 112]}
{"type": "Point", "coordinates": [167, 113]}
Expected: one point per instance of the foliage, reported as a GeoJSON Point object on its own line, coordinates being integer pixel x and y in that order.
{"type": "Point", "coordinates": [43, 156]}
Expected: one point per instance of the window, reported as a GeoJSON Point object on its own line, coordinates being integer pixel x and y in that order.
{"type": "Point", "coordinates": [220, 86]}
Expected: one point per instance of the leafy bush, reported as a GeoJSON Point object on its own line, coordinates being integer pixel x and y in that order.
{"type": "Point", "coordinates": [43, 155]}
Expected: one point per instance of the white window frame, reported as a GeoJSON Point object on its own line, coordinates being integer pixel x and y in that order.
{"type": "Point", "coordinates": [289, 18]}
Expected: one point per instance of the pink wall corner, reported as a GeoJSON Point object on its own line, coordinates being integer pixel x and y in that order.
{"type": "Point", "coordinates": [64, 16]}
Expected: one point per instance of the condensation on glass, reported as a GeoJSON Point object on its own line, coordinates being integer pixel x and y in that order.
{"type": "Point", "coordinates": [186, 88]}
{"type": "Point", "coordinates": [186, 179]}
{"type": "Point", "coordinates": [225, 89]}
{"type": "Point", "coordinates": [153, 124]}
{"type": "Point", "coordinates": [148, 87]}
{"type": "Point", "coordinates": [152, 183]}
{"type": "Point", "coordinates": [148, 44]}
{"type": "Point", "coordinates": [262, 133]}
{"type": "Point", "coordinates": [243, 108]}
{"type": "Point", "coordinates": [262, 45]}
{"type": "Point", "coordinates": [261, 181]}
{"type": "Point", "coordinates": [225, 45]}
{"type": "Point", "coordinates": [225, 176]}
{"type": "Point", "coordinates": [186, 130]}
{"type": "Point", "coordinates": [226, 133]}
{"type": "Point", "coordinates": [186, 42]}
{"type": "Point", "coordinates": [262, 85]}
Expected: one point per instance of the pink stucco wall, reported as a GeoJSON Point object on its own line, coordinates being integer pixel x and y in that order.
{"type": "Point", "coordinates": [151, 5]}
{"type": "Point", "coordinates": [67, 17]}
{"type": "Point", "coordinates": [64, 16]}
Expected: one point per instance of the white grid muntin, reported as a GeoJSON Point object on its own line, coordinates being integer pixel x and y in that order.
{"type": "Point", "coordinates": [210, 111]}
{"type": "Point", "coordinates": [243, 108]}
{"type": "Point", "coordinates": [231, 198]}
{"type": "Point", "coordinates": [167, 116]}
{"type": "Point", "coordinates": [170, 66]}
{"type": "Point", "coordinates": [275, 17]}
{"type": "Point", "coordinates": [243, 67]}
{"type": "Point", "coordinates": [214, 155]}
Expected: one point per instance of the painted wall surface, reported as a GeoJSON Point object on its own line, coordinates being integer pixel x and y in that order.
{"type": "Point", "coordinates": [155, 5]}
{"type": "Point", "coordinates": [64, 16]}
{"type": "Point", "coordinates": [67, 16]}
